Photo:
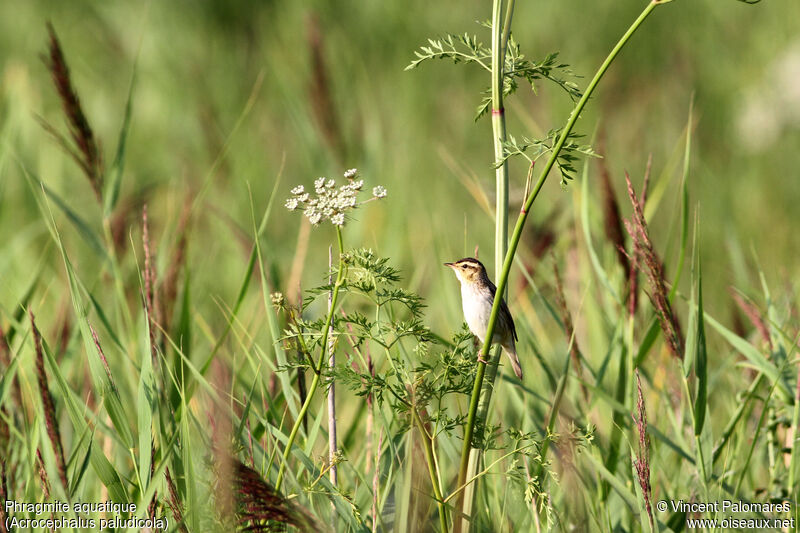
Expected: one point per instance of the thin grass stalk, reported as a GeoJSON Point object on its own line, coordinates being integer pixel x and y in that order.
{"type": "Point", "coordinates": [122, 310]}
{"type": "Point", "coordinates": [249, 436]}
{"type": "Point", "coordinates": [795, 438]}
{"type": "Point", "coordinates": [500, 36]}
{"type": "Point", "coordinates": [376, 484]}
{"type": "Point", "coordinates": [430, 460]}
{"type": "Point", "coordinates": [743, 402]}
{"type": "Point", "coordinates": [754, 442]}
{"type": "Point", "coordinates": [699, 458]}
{"type": "Point", "coordinates": [502, 280]}
{"type": "Point", "coordinates": [318, 368]}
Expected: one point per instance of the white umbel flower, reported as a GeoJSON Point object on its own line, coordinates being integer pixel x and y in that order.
{"type": "Point", "coordinates": [330, 202]}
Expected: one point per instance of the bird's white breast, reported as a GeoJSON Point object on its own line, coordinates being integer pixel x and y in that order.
{"type": "Point", "coordinates": [477, 306]}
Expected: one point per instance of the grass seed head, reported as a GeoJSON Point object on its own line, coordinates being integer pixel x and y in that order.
{"type": "Point", "coordinates": [88, 155]}
{"type": "Point", "coordinates": [653, 267]}
{"type": "Point", "coordinates": [642, 462]}
{"type": "Point", "coordinates": [51, 422]}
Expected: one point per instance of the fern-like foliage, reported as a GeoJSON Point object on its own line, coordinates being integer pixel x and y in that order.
{"type": "Point", "coordinates": [533, 149]}
{"type": "Point", "coordinates": [467, 49]}
{"type": "Point", "coordinates": [517, 68]}
{"type": "Point", "coordinates": [457, 48]}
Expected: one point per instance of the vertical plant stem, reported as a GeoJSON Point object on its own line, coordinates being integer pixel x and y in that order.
{"type": "Point", "coordinates": [502, 281]}
{"type": "Point", "coordinates": [340, 276]}
{"type": "Point", "coordinates": [332, 448]}
{"type": "Point", "coordinates": [499, 132]}
{"type": "Point", "coordinates": [500, 34]}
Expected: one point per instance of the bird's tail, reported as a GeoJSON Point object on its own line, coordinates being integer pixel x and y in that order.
{"type": "Point", "coordinates": [511, 351]}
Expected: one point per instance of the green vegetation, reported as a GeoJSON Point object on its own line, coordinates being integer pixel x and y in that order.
{"type": "Point", "coordinates": [168, 326]}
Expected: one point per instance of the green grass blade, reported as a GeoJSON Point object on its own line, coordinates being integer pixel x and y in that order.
{"type": "Point", "coordinates": [101, 314]}
{"type": "Point", "coordinates": [114, 176]}
{"type": "Point", "coordinates": [102, 381]}
{"type": "Point", "coordinates": [146, 405]}
{"type": "Point", "coordinates": [619, 418]}
{"type": "Point", "coordinates": [684, 204]}
{"type": "Point", "coordinates": [193, 504]}
{"type": "Point", "coordinates": [700, 357]}
{"type": "Point", "coordinates": [84, 229]}
{"type": "Point", "coordinates": [21, 308]}
{"type": "Point", "coordinates": [755, 357]}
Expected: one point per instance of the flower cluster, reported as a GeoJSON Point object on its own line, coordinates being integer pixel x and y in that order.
{"type": "Point", "coordinates": [278, 300]}
{"type": "Point", "coordinates": [330, 202]}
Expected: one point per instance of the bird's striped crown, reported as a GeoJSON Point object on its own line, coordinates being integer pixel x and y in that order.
{"type": "Point", "coordinates": [469, 270]}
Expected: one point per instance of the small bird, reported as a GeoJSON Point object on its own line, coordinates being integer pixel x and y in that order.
{"type": "Point", "coordinates": [477, 298]}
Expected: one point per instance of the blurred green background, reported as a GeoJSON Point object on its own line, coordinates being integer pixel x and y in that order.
{"type": "Point", "coordinates": [198, 64]}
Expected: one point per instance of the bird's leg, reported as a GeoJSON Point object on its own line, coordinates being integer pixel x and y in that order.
{"type": "Point", "coordinates": [476, 342]}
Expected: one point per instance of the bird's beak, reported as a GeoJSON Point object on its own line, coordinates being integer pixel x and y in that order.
{"type": "Point", "coordinates": [449, 265]}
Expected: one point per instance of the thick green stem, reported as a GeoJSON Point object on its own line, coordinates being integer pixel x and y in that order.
{"type": "Point", "coordinates": [515, 237]}
{"type": "Point", "coordinates": [340, 275]}
{"type": "Point", "coordinates": [499, 134]}
{"type": "Point", "coordinates": [500, 34]}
